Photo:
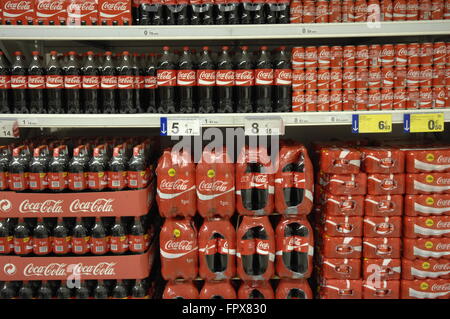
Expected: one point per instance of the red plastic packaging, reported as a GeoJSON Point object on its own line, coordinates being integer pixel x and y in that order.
{"type": "Point", "coordinates": [293, 289]}
{"type": "Point", "coordinates": [386, 184]}
{"type": "Point", "coordinates": [432, 226]}
{"type": "Point", "coordinates": [343, 226]}
{"type": "Point", "coordinates": [217, 289]}
{"type": "Point", "coordinates": [114, 12]}
{"type": "Point", "coordinates": [386, 248]}
{"type": "Point", "coordinates": [256, 290]}
{"type": "Point", "coordinates": [425, 289]}
{"type": "Point", "coordinates": [340, 289]}
{"type": "Point", "coordinates": [427, 160]}
{"type": "Point", "coordinates": [427, 205]}
{"type": "Point", "coordinates": [354, 184]}
{"type": "Point", "coordinates": [427, 183]}
{"type": "Point", "coordinates": [382, 226]}
{"type": "Point", "coordinates": [383, 269]}
{"type": "Point", "coordinates": [424, 248]}
{"type": "Point", "coordinates": [386, 289]}
{"type": "Point", "coordinates": [341, 247]}
{"type": "Point", "coordinates": [180, 290]}
{"type": "Point", "coordinates": [383, 205]}
{"type": "Point", "coordinates": [337, 268]}
{"type": "Point", "coordinates": [428, 268]}
{"type": "Point", "coordinates": [383, 160]}
{"type": "Point", "coordinates": [340, 161]}
{"type": "Point", "coordinates": [344, 205]}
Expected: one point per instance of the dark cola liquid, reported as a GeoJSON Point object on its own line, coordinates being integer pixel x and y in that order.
{"type": "Point", "coordinates": [294, 196]}
{"type": "Point", "coordinates": [100, 292]}
{"type": "Point", "coordinates": [82, 292]}
{"type": "Point", "coordinates": [256, 294]}
{"type": "Point", "coordinates": [19, 94]}
{"type": "Point", "coordinates": [5, 71]}
{"type": "Point", "coordinates": [216, 262]}
{"type": "Point", "coordinates": [54, 95]}
{"type": "Point", "coordinates": [44, 291]}
{"type": "Point", "coordinates": [63, 292]}
{"type": "Point", "coordinates": [256, 264]}
{"type": "Point", "coordinates": [296, 261]}
{"type": "Point", "coordinates": [36, 95]}
{"type": "Point", "coordinates": [296, 294]}
{"type": "Point", "coordinates": [254, 198]}
{"type": "Point", "coordinates": [119, 291]}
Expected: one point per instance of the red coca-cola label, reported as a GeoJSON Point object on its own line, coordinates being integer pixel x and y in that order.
{"type": "Point", "coordinates": [108, 82]}
{"type": "Point", "coordinates": [125, 82]}
{"type": "Point", "coordinates": [283, 77]}
{"type": "Point", "coordinates": [18, 181]}
{"type": "Point", "coordinates": [295, 243]}
{"type": "Point", "coordinates": [255, 180]}
{"type": "Point", "coordinates": [114, 10]}
{"type": "Point", "coordinates": [37, 181]}
{"type": "Point", "coordinates": [6, 245]}
{"type": "Point", "coordinates": [206, 77]}
{"type": "Point", "coordinates": [225, 77]}
{"type": "Point", "coordinates": [137, 243]}
{"type": "Point", "coordinates": [82, 11]}
{"type": "Point", "coordinates": [91, 82]}
{"type": "Point", "coordinates": [3, 180]}
{"type": "Point", "coordinates": [186, 78]}
{"type": "Point", "coordinates": [138, 179]}
{"type": "Point", "coordinates": [138, 82]}
{"type": "Point", "coordinates": [18, 10]}
{"type": "Point", "coordinates": [54, 81]}
{"type": "Point", "coordinates": [97, 180]}
{"type": "Point", "coordinates": [23, 246]}
{"type": "Point", "coordinates": [80, 245]}
{"type": "Point", "coordinates": [51, 10]}
{"type": "Point", "coordinates": [57, 181]}
{"type": "Point", "coordinates": [72, 82]}
{"type": "Point", "coordinates": [42, 246]}
{"type": "Point", "coordinates": [5, 82]}
{"type": "Point", "coordinates": [118, 244]}
{"type": "Point", "coordinates": [18, 82]}
{"type": "Point", "coordinates": [99, 246]}
{"type": "Point", "coordinates": [167, 77]}
{"type": "Point", "coordinates": [150, 82]}
{"type": "Point", "coordinates": [61, 245]}
{"type": "Point", "coordinates": [244, 77]}
{"type": "Point", "coordinates": [264, 77]}
{"type": "Point", "coordinates": [117, 180]}
{"type": "Point", "coordinates": [77, 181]}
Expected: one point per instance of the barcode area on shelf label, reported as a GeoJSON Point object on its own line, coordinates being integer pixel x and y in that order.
{"type": "Point", "coordinates": [263, 126]}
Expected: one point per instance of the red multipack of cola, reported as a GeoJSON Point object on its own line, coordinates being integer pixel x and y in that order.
{"type": "Point", "coordinates": [18, 12]}
{"type": "Point", "coordinates": [217, 249]}
{"type": "Point", "coordinates": [425, 289]}
{"type": "Point", "coordinates": [340, 289]}
{"type": "Point", "coordinates": [342, 226]}
{"type": "Point", "coordinates": [423, 248]}
{"type": "Point", "coordinates": [341, 247]}
{"type": "Point", "coordinates": [260, 289]}
{"type": "Point", "coordinates": [82, 12]}
{"type": "Point", "coordinates": [386, 184]}
{"type": "Point", "coordinates": [294, 248]}
{"type": "Point", "coordinates": [427, 205]}
{"type": "Point", "coordinates": [343, 205]}
{"type": "Point", "coordinates": [218, 290]}
{"type": "Point", "coordinates": [179, 249]}
{"type": "Point", "coordinates": [420, 226]}
{"type": "Point", "coordinates": [51, 12]}
{"type": "Point", "coordinates": [351, 184]}
{"type": "Point", "coordinates": [176, 184]}
{"type": "Point", "coordinates": [254, 182]}
{"type": "Point", "coordinates": [428, 268]}
{"type": "Point", "coordinates": [339, 268]}
{"type": "Point", "coordinates": [340, 160]}
{"type": "Point", "coordinates": [255, 248]}
{"type": "Point", "coordinates": [381, 289]}
{"type": "Point", "coordinates": [383, 160]}
{"type": "Point", "coordinates": [427, 183]}
{"type": "Point", "coordinates": [294, 180]}
{"type": "Point", "coordinates": [375, 226]}
{"type": "Point", "coordinates": [436, 159]}
{"type": "Point", "coordinates": [215, 184]}
{"type": "Point", "coordinates": [293, 289]}
{"type": "Point", "coordinates": [383, 205]}
{"type": "Point", "coordinates": [385, 248]}
{"type": "Point", "coordinates": [180, 290]}
{"type": "Point", "coordinates": [114, 12]}
{"type": "Point", "coordinates": [386, 269]}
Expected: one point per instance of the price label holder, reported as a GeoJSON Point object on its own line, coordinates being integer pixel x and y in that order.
{"type": "Point", "coordinates": [9, 129]}
{"type": "Point", "coordinates": [254, 126]}
{"type": "Point", "coordinates": [423, 122]}
{"type": "Point", "coordinates": [372, 123]}
{"type": "Point", "coordinates": [180, 126]}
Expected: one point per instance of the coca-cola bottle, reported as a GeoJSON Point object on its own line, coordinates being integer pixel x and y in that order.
{"type": "Point", "coordinates": [186, 81]}
{"type": "Point", "coordinates": [77, 169]}
{"type": "Point", "coordinates": [100, 291]}
{"type": "Point", "coordinates": [8, 290]}
{"type": "Point", "coordinates": [97, 176]}
{"type": "Point", "coordinates": [108, 84]}
{"type": "Point", "coordinates": [57, 169]}
{"type": "Point", "coordinates": [5, 158]}
{"type": "Point", "coordinates": [80, 238]}
{"type": "Point", "coordinates": [125, 84]}
{"type": "Point", "coordinates": [259, 14]}
{"type": "Point", "coordinates": [138, 173]}
{"type": "Point", "coordinates": [263, 82]}
{"type": "Point", "coordinates": [54, 84]}
{"type": "Point", "coordinates": [119, 291]}
{"type": "Point", "coordinates": [82, 292]}
{"type": "Point", "coordinates": [150, 85]}
{"type": "Point", "coordinates": [6, 239]}
{"type": "Point", "coordinates": [41, 239]}
{"type": "Point", "coordinates": [18, 169]}
{"type": "Point", "coordinates": [38, 181]}
{"type": "Point", "coordinates": [72, 84]}
{"type": "Point", "coordinates": [225, 81]}
{"type": "Point", "coordinates": [26, 291]}
{"type": "Point", "coordinates": [183, 12]}
{"type": "Point", "coordinates": [136, 238]}
{"type": "Point", "coordinates": [117, 169]}
{"type": "Point", "coordinates": [244, 81]}
{"type": "Point", "coordinates": [19, 83]}
{"type": "Point", "coordinates": [5, 84]}
{"type": "Point", "coordinates": [166, 75]}
{"type": "Point", "coordinates": [118, 238]}
{"type": "Point", "coordinates": [138, 83]}
{"type": "Point", "coordinates": [90, 84]}
{"type": "Point", "coordinates": [23, 242]}
{"type": "Point", "coordinates": [139, 290]}
{"type": "Point", "coordinates": [63, 292]}
{"type": "Point", "coordinates": [206, 80]}
{"type": "Point", "coordinates": [207, 12]}
{"type": "Point", "coordinates": [99, 240]}
{"type": "Point", "coordinates": [44, 291]}
{"type": "Point", "coordinates": [61, 238]}
{"type": "Point", "coordinates": [282, 93]}
{"type": "Point", "coordinates": [36, 84]}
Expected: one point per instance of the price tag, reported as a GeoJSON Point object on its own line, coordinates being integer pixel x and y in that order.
{"type": "Point", "coordinates": [372, 123]}
{"type": "Point", "coordinates": [423, 122]}
{"type": "Point", "coordinates": [180, 127]}
{"type": "Point", "coordinates": [263, 126]}
{"type": "Point", "coordinates": [9, 129]}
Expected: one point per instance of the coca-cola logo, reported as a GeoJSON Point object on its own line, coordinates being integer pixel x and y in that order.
{"type": "Point", "coordinates": [323, 76]}
{"type": "Point", "coordinates": [443, 247]}
{"type": "Point", "coordinates": [442, 224]}
{"type": "Point", "coordinates": [335, 75]}
{"type": "Point", "coordinates": [92, 80]}
{"type": "Point", "coordinates": [299, 98]}
{"type": "Point", "coordinates": [443, 181]}
{"type": "Point", "coordinates": [348, 75]}
{"type": "Point", "coordinates": [388, 53]}
{"type": "Point", "coordinates": [225, 75]}
{"type": "Point", "coordinates": [426, 95]}
{"type": "Point", "coordinates": [375, 97]}
{"type": "Point", "coordinates": [101, 269]}
{"type": "Point", "coordinates": [400, 6]}
{"type": "Point", "coordinates": [443, 159]}
{"type": "Point", "coordinates": [183, 245]}
{"type": "Point", "coordinates": [298, 55]}
{"type": "Point", "coordinates": [443, 203]}
{"type": "Point", "coordinates": [244, 75]}
{"type": "Point", "coordinates": [323, 97]}
{"type": "Point", "coordinates": [72, 80]}
{"type": "Point", "coordinates": [114, 6]}
{"type": "Point", "coordinates": [50, 270]}
{"type": "Point", "coordinates": [389, 74]}
{"type": "Point", "coordinates": [50, 5]}
{"type": "Point", "coordinates": [321, 9]}
{"type": "Point", "coordinates": [263, 246]}
{"type": "Point", "coordinates": [186, 75]}
{"type": "Point", "coordinates": [100, 205]}
{"type": "Point", "coordinates": [19, 6]}
{"type": "Point", "coordinates": [48, 206]}
{"type": "Point", "coordinates": [362, 53]}
{"type": "Point", "coordinates": [441, 267]}
{"type": "Point", "coordinates": [311, 55]}
{"type": "Point", "coordinates": [207, 75]}
{"type": "Point", "coordinates": [62, 269]}
{"type": "Point", "coordinates": [440, 50]}
{"type": "Point", "coordinates": [83, 6]}
{"type": "Point", "coordinates": [441, 287]}
{"type": "Point", "coordinates": [426, 74]}
{"type": "Point", "coordinates": [413, 74]}
{"type": "Point", "coordinates": [19, 80]}
{"type": "Point", "coordinates": [216, 186]}
{"type": "Point", "coordinates": [402, 53]}
{"type": "Point", "coordinates": [179, 184]}
{"type": "Point", "coordinates": [310, 76]}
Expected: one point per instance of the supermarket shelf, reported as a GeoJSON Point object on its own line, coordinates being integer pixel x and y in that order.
{"type": "Point", "coordinates": [219, 32]}
{"type": "Point", "coordinates": [206, 120]}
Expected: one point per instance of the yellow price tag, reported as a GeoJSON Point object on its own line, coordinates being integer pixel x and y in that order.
{"type": "Point", "coordinates": [426, 122]}
{"type": "Point", "coordinates": [375, 123]}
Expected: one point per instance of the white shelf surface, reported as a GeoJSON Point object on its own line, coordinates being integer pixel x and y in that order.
{"type": "Point", "coordinates": [206, 120]}
{"type": "Point", "coordinates": [220, 32]}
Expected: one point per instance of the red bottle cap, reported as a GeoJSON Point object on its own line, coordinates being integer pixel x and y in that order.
{"type": "Point", "coordinates": [17, 53]}
{"type": "Point", "coordinates": [125, 53]}
{"type": "Point", "coordinates": [225, 48]}
{"type": "Point", "coordinates": [166, 48]}
{"type": "Point", "coordinates": [263, 48]}
{"type": "Point", "coordinates": [205, 48]}
{"type": "Point", "coordinates": [53, 52]}
{"type": "Point", "coordinates": [244, 48]}
{"type": "Point", "coordinates": [185, 48]}
{"type": "Point", "coordinates": [90, 53]}
{"type": "Point", "coordinates": [108, 53]}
